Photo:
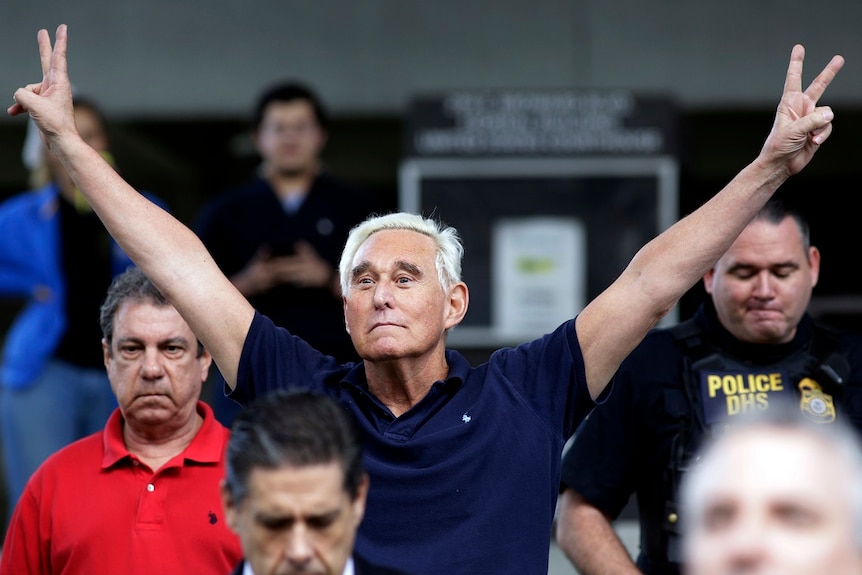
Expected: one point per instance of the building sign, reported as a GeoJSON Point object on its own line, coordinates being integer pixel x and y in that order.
{"type": "Point", "coordinates": [552, 192]}
{"type": "Point", "coordinates": [547, 123]}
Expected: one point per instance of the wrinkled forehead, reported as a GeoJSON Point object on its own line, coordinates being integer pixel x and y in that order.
{"type": "Point", "coordinates": [385, 247]}
{"type": "Point", "coordinates": [305, 488]}
{"type": "Point", "coordinates": [144, 315]}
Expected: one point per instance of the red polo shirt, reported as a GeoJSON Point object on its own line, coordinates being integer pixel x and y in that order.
{"type": "Point", "coordinates": [94, 508]}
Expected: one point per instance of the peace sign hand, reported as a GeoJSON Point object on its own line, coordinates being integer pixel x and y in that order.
{"type": "Point", "coordinates": [800, 125]}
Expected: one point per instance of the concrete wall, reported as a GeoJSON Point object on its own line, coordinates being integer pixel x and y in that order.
{"type": "Point", "coordinates": [208, 57]}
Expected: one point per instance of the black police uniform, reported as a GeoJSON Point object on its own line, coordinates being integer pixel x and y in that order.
{"type": "Point", "coordinates": [684, 382]}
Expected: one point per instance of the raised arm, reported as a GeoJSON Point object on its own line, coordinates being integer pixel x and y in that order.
{"type": "Point", "coordinates": [165, 249]}
{"type": "Point", "coordinates": [662, 271]}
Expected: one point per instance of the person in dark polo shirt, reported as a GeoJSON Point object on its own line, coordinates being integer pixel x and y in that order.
{"type": "Point", "coordinates": [464, 461]}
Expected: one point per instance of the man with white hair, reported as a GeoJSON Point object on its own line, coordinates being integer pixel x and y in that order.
{"type": "Point", "coordinates": [464, 462]}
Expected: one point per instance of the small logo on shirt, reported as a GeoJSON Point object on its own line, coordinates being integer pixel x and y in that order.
{"type": "Point", "coordinates": [466, 418]}
{"type": "Point", "coordinates": [213, 518]}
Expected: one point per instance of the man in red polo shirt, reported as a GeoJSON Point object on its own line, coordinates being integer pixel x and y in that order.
{"type": "Point", "coordinates": [141, 496]}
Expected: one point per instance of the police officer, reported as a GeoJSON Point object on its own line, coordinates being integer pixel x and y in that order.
{"type": "Point", "coordinates": [751, 344]}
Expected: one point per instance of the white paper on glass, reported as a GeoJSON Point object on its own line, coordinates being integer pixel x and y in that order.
{"type": "Point", "coordinates": [539, 274]}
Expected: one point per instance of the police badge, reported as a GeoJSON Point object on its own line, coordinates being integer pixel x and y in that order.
{"type": "Point", "coordinates": [814, 404]}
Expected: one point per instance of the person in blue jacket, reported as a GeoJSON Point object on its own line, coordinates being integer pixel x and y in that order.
{"type": "Point", "coordinates": [464, 462]}
{"type": "Point", "coordinates": [58, 259]}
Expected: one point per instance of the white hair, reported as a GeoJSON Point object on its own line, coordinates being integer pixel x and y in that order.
{"type": "Point", "coordinates": [450, 251]}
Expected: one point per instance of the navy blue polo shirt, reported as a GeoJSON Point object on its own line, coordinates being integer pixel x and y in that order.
{"type": "Point", "coordinates": [467, 480]}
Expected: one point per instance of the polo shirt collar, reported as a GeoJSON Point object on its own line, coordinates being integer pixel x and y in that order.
{"type": "Point", "coordinates": [459, 368]}
{"type": "Point", "coordinates": [206, 447]}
